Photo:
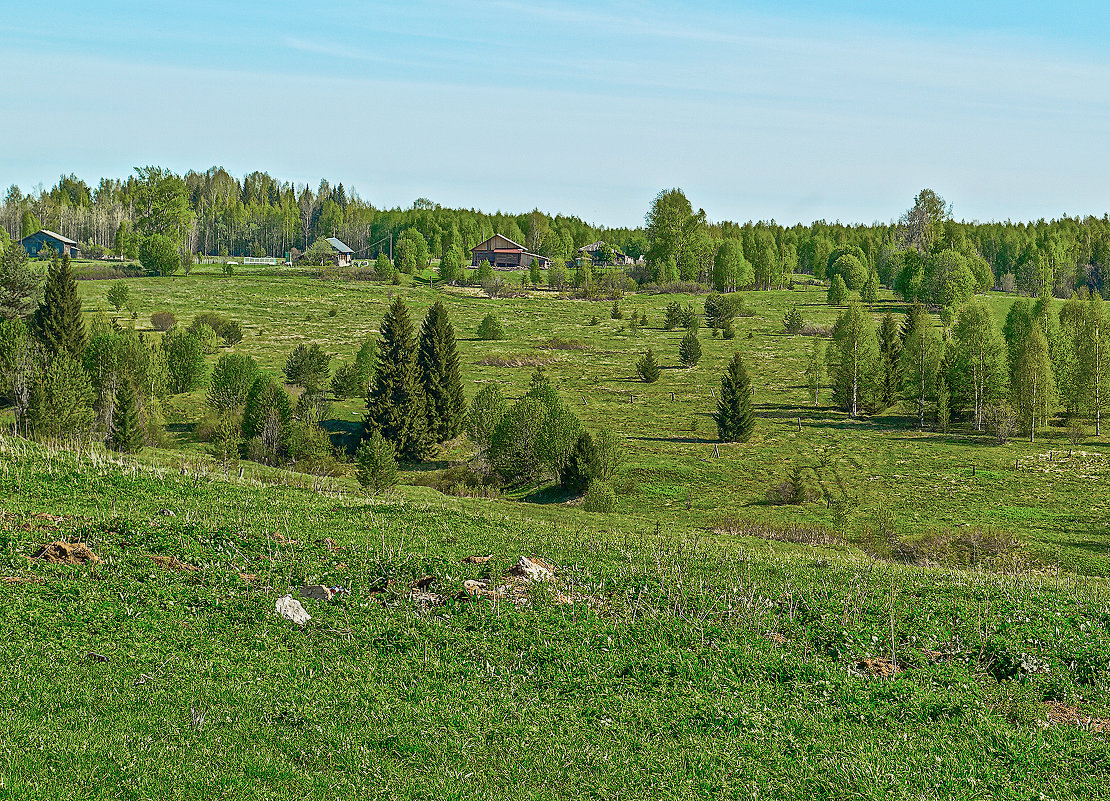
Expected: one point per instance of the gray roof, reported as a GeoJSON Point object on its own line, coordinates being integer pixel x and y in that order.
{"type": "Point", "coordinates": [339, 246]}
{"type": "Point", "coordinates": [64, 239]}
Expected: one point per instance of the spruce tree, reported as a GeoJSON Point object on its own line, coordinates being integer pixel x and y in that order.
{"type": "Point", "coordinates": [838, 291]}
{"type": "Point", "coordinates": [395, 405]}
{"type": "Point", "coordinates": [890, 347]}
{"type": "Point", "coordinates": [647, 368]}
{"type": "Point", "coordinates": [735, 417]}
{"type": "Point", "coordinates": [57, 322]}
{"type": "Point", "coordinates": [869, 292]}
{"type": "Point", "coordinates": [438, 359]}
{"type": "Point", "coordinates": [689, 349]}
{"type": "Point", "coordinates": [126, 435]}
{"type": "Point", "coordinates": [581, 466]}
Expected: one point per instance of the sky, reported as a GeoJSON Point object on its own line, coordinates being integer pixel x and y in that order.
{"type": "Point", "coordinates": [795, 110]}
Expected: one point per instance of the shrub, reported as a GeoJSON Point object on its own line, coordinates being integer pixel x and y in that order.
{"type": "Point", "coordinates": [61, 398]}
{"type": "Point", "coordinates": [792, 322]}
{"type": "Point", "coordinates": [118, 294]}
{"type": "Point", "coordinates": [535, 437]}
{"type": "Point", "coordinates": [728, 332]}
{"type": "Point", "coordinates": [490, 329]}
{"type": "Point", "coordinates": [647, 368]}
{"type": "Point", "coordinates": [838, 291]}
{"type": "Point", "coordinates": [720, 309]}
{"type": "Point", "coordinates": [599, 497]}
{"type": "Point", "coordinates": [376, 464]}
{"type": "Point", "coordinates": [231, 381]}
{"type": "Point", "coordinates": [184, 360]}
{"type": "Point", "coordinates": [312, 408]}
{"type": "Point", "coordinates": [230, 331]}
{"type": "Point", "coordinates": [163, 320]}
{"type": "Point", "coordinates": [308, 366]}
{"type": "Point", "coordinates": [267, 415]}
{"type": "Point", "coordinates": [206, 336]}
{"type": "Point", "coordinates": [1001, 422]}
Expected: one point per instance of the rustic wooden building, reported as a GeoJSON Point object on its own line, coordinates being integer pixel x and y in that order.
{"type": "Point", "coordinates": [33, 243]}
{"type": "Point", "coordinates": [505, 254]}
{"type": "Point", "coordinates": [343, 253]}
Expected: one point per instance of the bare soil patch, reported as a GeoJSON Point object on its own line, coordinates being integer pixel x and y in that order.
{"type": "Point", "coordinates": [68, 553]}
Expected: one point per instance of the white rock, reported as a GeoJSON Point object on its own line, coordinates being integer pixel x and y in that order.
{"type": "Point", "coordinates": [290, 608]}
{"type": "Point", "coordinates": [533, 569]}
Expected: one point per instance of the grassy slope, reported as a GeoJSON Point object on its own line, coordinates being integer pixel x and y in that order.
{"type": "Point", "coordinates": [666, 686]}
{"type": "Point", "coordinates": [924, 478]}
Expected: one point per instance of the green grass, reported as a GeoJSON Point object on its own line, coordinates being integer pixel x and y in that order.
{"type": "Point", "coordinates": [692, 665]}
{"type": "Point", "coordinates": [922, 480]}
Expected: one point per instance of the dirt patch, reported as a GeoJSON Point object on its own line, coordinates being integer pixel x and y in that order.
{"type": "Point", "coordinates": [776, 638]}
{"type": "Point", "coordinates": [517, 360]}
{"type": "Point", "coordinates": [68, 553]}
{"type": "Point", "coordinates": [173, 563]}
{"type": "Point", "coordinates": [477, 560]}
{"type": "Point", "coordinates": [22, 580]}
{"type": "Point", "coordinates": [878, 666]}
{"type": "Point", "coordinates": [329, 543]}
{"type": "Point", "coordinates": [1062, 714]}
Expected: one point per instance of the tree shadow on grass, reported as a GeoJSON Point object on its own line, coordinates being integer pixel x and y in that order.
{"type": "Point", "coordinates": [552, 493]}
{"type": "Point", "coordinates": [345, 435]}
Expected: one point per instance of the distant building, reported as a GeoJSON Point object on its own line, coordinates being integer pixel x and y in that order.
{"type": "Point", "coordinates": [343, 253]}
{"type": "Point", "coordinates": [594, 248]}
{"type": "Point", "coordinates": [33, 243]}
{"type": "Point", "coordinates": [505, 254]}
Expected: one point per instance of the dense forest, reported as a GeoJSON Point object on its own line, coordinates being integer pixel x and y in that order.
{"type": "Point", "coordinates": [925, 255]}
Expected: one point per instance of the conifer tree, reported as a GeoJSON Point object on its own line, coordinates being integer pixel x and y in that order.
{"type": "Point", "coordinates": [376, 465]}
{"type": "Point", "coordinates": [126, 434]}
{"type": "Point", "coordinates": [647, 368]}
{"type": "Point", "coordinates": [689, 349]}
{"type": "Point", "coordinates": [57, 322]}
{"type": "Point", "coordinates": [890, 347]}
{"type": "Point", "coordinates": [735, 416]}
{"type": "Point", "coordinates": [438, 359]}
{"type": "Point", "coordinates": [581, 466]}
{"type": "Point", "coordinates": [869, 292]}
{"type": "Point", "coordinates": [395, 405]}
{"type": "Point", "coordinates": [838, 291]}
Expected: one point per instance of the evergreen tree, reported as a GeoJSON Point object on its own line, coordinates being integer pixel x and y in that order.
{"type": "Point", "coordinates": [395, 406]}
{"type": "Point", "coordinates": [581, 466]}
{"type": "Point", "coordinates": [61, 399]}
{"type": "Point", "coordinates": [438, 359]}
{"type": "Point", "coordinates": [647, 368]}
{"type": "Point", "coordinates": [853, 363]}
{"type": "Point", "coordinates": [485, 271]}
{"type": "Point", "coordinates": [890, 347]}
{"type": "Point", "coordinates": [735, 416]}
{"type": "Point", "coordinates": [869, 292]}
{"type": "Point", "coordinates": [792, 321]}
{"type": "Point", "coordinates": [126, 434]}
{"type": "Point", "coordinates": [838, 291]}
{"type": "Point", "coordinates": [689, 349]}
{"type": "Point", "coordinates": [376, 464]}
{"type": "Point", "coordinates": [57, 322]}
{"type": "Point", "coordinates": [383, 266]}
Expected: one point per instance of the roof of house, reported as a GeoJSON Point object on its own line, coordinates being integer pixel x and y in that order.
{"type": "Point", "coordinates": [594, 247]}
{"type": "Point", "coordinates": [479, 246]}
{"type": "Point", "coordinates": [339, 246]}
{"type": "Point", "coordinates": [63, 239]}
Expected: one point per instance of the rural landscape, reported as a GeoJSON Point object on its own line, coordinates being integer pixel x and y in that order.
{"type": "Point", "coordinates": [766, 456]}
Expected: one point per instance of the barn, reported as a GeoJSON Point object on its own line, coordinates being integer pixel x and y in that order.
{"type": "Point", "coordinates": [33, 243]}
{"type": "Point", "coordinates": [343, 253]}
{"type": "Point", "coordinates": [505, 254]}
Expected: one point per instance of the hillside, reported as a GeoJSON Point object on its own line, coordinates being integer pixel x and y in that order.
{"type": "Point", "coordinates": [661, 663]}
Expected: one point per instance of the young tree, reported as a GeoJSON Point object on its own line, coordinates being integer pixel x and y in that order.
{"type": "Point", "coordinates": [920, 362]}
{"type": "Point", "coordinates": [486, 411]}
{"type": "Point", "coordinates": [869, 292]}
{"type": "Point", "coordinates": [485, 271]}
{"type": "Point", "coordinates": [267, 419]}
{"type": "Point", "coordinates": [890, 347]}
{"type": "Point", "coordinates": [853, 362]}
{"type": "Point", "coordinates": [689, 349]}
{"type": "Point", "coordinates": [451, 265]}
{"type": "Point", "coordinates": [61, 399]}
{"type": "Point", "coordinates": [1035, 389]}
{"type": "Point", "coordinates": [185, 359]}
{"type": "Point", "coordinates": [581, 465]}
{"type": "Point", "coordinates": [728, 267]}
{"type": "Point", "coordinates": [438, 359]}
{"type": "Point", "coordinates": [118, 294]}
{"type": "Point", "coordinates": [944, 403]}
{"type": "Point", "coordinates": [126, 433]}
{"type": "Point", "coordinates": [20, 283]}
{"type": "Point", "coordinates": [490, 329]}
{"type": "Point", "coordinates": [647, 368]}
{"type": "Point", "coordinates": [535, 437]}
{"type": "Point", "coordinates": [412, 251]}
{"type": "Point", "coordinates": [376, 464]}
{"type": "Point", "coordinates": [735, 416]}
{"type": "Point", "coordinates": [158, 254]}
{"type": "Point", "coordinates": [308, 366]}
{"type": "Point", "coordinates": [395, 406]}
{"type": "Point", "coordinates": [814, 366]}
{"type": "Point", "coordinates": [534, 276]}
{"type": "Point", "coordinates": [232, 379]}
{"type": "Point", "coordinates": [838, 292]}
{"type": "Point", "coordinates": [383, 266]}
{"type": "Point", "coordinates": [792, 321]}
{"type": "Point", "coordinates": [977, 375]}
{"type": "Point", "coordinates": [1092, 351]}
{"type": "Point", "coordinates": [58, 323]}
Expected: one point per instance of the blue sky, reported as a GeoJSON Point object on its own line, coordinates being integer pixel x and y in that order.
{"type": "Point", "coordinates": [794, 111]}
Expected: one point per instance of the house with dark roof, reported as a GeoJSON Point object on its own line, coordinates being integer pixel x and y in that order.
{"type": "Point", "coordinates": [343, 253]}
{"type": "Point", "coordinates": [33, 243]}
{"type": "Point", "coordinates": [505, 254]}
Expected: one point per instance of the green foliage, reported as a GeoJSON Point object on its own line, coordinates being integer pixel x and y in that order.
{"type": "Point", "coordinates": [689, 349]}
{"type": "Point", "coordinates": [58, 323]}
{"type": "Point", "coordinates": [792, 321]}
{"type": "Point", "coordinates": [232, 378]}
{"type": "Point", "coordinates": [535, 437]}
{"type": "Point", "coordinates": [383, 266]}
{"type": "Point", "coordinates": [581, 465]}
{"type": "Point", "coordinates": [267, 418]}
{"type": "Point", "coordinates": [490, 329]}
{"type": "Point", "coordinates": [451, 265]}
{"type": "Point", "coordinates": [615, 313]}
{"type": "Point", "coordinates": [919, 364]}
{"type": "Point", "coordinates": [838, 291]}
{"type": "Point", "coordinates": [308, 366]}
{"type": "Point", "coordinates": [853, 362]}
{"type": "Point", "coordinates": [412, 251]}
{"type": "Point", "coordinates": [671, 227]}
{"type": "Point", "coordinates": [376, 464]}
{"type": "Point", "coordinates": [15, 354]}
{"type": "Point", "coordinates": [557, 275]}
{"type": "Point", "coordinates": [735, 416]}
{"type": "Point", "coordinates": [719, 310]}
{"type": "Point", "coordinates": [852, 270]}
{"type": "Point", "coordinates": [118, 294]}
{"type": "Point", "coordinates": [1034, 384]}
{"type": "Point", "coordinates": [162, 320]}
{"type": "Point", "coordinates": [869, 292]}
{"type": "Point", "coordinates": [61, 399]}
{"type": "Point", "coordinates": [600, 497]}
{"type": "Point", "coordinates": [486, 411]}
{"type": "Point", "coordinates": [679, 315]}
{"type": "Point", "coordinates": [126, 433]}
{"type": "Point", "coordinates": [185, 360]}
{"type": "Point", "coordinates": [21, 283]}
{"type": "Point", "coordinates": [977, 376]}
{"type": "Point", "coordinates": [159, 255]}
{"type": "Point", "coordinates": [230, 331]}
{"type": "Point", "coordinates": [395, 405]}
{"type": "Point", "coordinates": [647, 368]}
{"type": "Point", "coordinates": [485, 272]}
{"type": "Point", "coordinates": [161, 205]}
{"type": "Point", "coordinates": [206, 336]}
{"type": "Point", "coordinates": [730, 269]}
{"type": "Point", "coordinates": [438, 360]}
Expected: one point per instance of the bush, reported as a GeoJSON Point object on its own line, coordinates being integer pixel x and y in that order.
{"type": "Point", "coordinates": [163, 320]}
{"type": "Point", "coordinates": [376, 464]}
{"type": "Point", "coordinates": [230, 331]}
{"type": "Point", "coordinates": [720, 309]}
{"type": "Point", "coordinates": [184, 360]}
{"type": "Point", "coordinates": [308, 366]}
{"type": "Point", "coordinates": [490, 329]}
{"type": "Point", "coordinates": [792, 322]}
{"type": "Point", "coordinates": [158, 254]}
{"type": "Point", "coordinates": [312, 408]}
{"type": "Point", "coordinates": [647, 368]}
{"type": "Point", "coordinates": [599, 497]}
{"type": "Point", "coordinates": [118, 294]}
{"type": "Point", "coordinates": [1001, 422]}
{"type": "Point", "coordinates": [231, 381]}
{"type": "Point", "coordinates": [535, 437]}
{"type": "Point", "coordinates": [206, 336]}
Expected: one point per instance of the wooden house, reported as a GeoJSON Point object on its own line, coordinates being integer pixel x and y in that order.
{"type": "Point", "coordinates": [33, 243]}
{"type": "Point", "coordinates": [595, 248]}
{"type": "Point", "coordinates": [505, 254]}
{"type": "Point", "coordinates": [343, 253]}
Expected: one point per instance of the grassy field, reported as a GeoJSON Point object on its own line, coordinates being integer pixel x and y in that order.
{"type": "Point", "coordinates": [666, 664]}
{"type": "Point", "coordinates": [918, 483]}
